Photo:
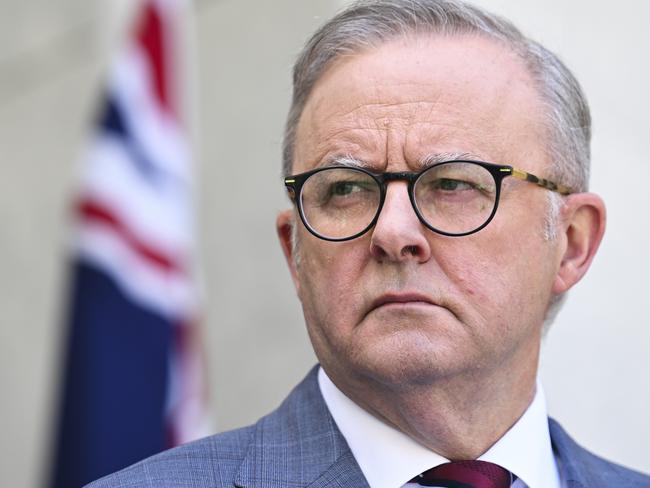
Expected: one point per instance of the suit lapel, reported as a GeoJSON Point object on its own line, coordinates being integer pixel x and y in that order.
{"type": "Point", "coordinates": [575, 462]}
{"type": "Point", "coordinates": [582, 469]}
{"type": "Point", "coordinates": [299, 446]}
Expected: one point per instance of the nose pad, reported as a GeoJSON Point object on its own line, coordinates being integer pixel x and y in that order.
{"type": "Point", "coordinates": [398, 234]}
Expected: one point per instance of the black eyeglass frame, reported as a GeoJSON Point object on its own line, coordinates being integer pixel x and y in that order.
{"type": "Point", "coordinates": [294, 184]}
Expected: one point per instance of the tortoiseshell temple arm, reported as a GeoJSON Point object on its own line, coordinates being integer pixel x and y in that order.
{"type": "Point", "coordinates": [544, 183]}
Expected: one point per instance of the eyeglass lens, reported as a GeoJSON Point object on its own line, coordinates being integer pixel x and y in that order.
{"type": "Point", "coordinates": [340, 202]}
{"type": "Point", "coordinates": [455, 198]}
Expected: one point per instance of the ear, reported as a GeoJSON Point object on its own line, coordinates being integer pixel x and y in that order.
{"type": "Point", "coordinates": [583, 218]}
{"type": "Point", "coordinates": [284, 226]}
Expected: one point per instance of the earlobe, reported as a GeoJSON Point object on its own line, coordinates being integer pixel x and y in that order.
{"type": "Point", "coordinates": [583, 217]}
{"type": "Point", "coordinates": [284, 227]}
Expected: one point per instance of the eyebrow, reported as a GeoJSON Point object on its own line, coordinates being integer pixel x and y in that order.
{"type": "Point", "coordinates": [346, 160]}
{"type": "Point", "coordinates": [425, 162]}
{"type": "Point", "coordinates": [436, 158]}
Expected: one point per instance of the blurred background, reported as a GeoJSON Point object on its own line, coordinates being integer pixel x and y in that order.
{"type": "Point", "coordinates": [54, 58]}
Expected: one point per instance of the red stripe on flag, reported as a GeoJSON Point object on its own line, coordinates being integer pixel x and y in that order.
{"type": "Point", "coordinates": [94, 212]}
{"type": "Point", "coordinates": [151, 36]}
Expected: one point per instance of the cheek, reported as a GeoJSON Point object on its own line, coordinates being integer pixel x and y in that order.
{"type": "Point", "coordinates": [481, 284]}
{"type": "Point", "coordinates": [330, 274]}
{"type": "Point", "coordinates": [495, 281]}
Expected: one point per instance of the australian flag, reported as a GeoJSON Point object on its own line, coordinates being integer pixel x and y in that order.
{"type": "Point", "coordinates": [132, 384]}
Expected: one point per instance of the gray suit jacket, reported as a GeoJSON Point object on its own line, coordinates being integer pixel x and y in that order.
{"type": "Point", "coordinates": [299, 445]}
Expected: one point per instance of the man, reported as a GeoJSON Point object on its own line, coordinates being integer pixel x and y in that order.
{"type": "Point", "coordinates": [438, 163]}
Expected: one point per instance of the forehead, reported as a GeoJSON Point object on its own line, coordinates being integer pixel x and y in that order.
{"type": "Point", "coordinates": [411, 98]}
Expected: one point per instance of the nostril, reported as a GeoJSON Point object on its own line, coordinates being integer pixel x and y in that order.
{"type": "Point", "coordinates": [378, 252]}
{"type": "Point", "coordinates": [412, 250]}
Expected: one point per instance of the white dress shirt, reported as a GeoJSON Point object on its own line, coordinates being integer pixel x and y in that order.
{"type": "Point", "coordinates": [389, 458]}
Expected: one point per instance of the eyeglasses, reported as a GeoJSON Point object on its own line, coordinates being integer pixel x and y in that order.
{"type": "Point", "coordinates": [452, 198]}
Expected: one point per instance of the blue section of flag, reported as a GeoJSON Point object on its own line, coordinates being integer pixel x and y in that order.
{"type": "Point", "coordinates": [116, 380]}
{"type": "Point", "coordinates": [111, 119]}
{"type": "Point", "coordinates": [113, 122]}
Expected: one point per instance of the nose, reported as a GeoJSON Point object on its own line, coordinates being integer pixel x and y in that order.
{"type": "Point", "coordinates": [398, 235]}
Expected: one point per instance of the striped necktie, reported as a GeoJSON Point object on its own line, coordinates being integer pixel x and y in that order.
{"type": "Point", "coordinates": [466, 474]}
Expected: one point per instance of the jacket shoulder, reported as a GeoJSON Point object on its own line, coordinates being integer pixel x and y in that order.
{"type": "Point", "coordinates": [294, 445]}
{"type": "Point", "coordinates": [583, 468]}
{"type": "Point", "coordinates": [209, 462]}
{"type": "Point", "coordinates": [610, 474]}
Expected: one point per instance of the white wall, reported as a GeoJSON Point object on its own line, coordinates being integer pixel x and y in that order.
{"type": "Point", "coordinates": [51, 55]}
{"type": "Point", "coordinates": [596, 363]}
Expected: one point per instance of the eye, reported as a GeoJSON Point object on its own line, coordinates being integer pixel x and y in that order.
{"type": "Point", "coordinates": [448, 184]}
{"type": "Point", "coordinates": [339, 187]}
{"type": "Point", "coordinates": [350, 188]}
{"type": "Point", "coordinates": [342, 188]}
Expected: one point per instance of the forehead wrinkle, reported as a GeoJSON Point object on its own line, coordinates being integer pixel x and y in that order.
{"type": "Point", "coordinates": [368, 109]}
{"type": "Point", "coordinates": [342, 141]}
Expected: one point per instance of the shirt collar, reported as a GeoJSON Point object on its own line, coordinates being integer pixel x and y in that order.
{"type": "Point", "coordinates": [389, 458]}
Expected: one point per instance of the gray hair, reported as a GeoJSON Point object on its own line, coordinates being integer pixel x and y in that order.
{"type": "Point", "coordinates": [369, 23]}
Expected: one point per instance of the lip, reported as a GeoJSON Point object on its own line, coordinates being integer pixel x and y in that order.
{"type": "Point", "coordinates": [400, 298]}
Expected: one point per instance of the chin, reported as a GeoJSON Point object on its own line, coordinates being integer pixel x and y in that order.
{"type": "Point", "coordinates": [404, 360]}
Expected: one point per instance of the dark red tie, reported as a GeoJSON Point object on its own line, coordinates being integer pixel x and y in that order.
{"type": "Point", "coordinates": [466, 474]}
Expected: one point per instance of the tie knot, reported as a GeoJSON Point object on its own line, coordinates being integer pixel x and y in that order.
{"type": "Point", "coordinates": [466, 474]}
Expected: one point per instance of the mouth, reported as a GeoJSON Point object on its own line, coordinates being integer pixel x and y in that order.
{"type": "Point", "coordinates": [400, 300]}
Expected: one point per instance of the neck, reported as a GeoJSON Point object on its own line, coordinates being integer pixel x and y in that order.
{"type": "Point", "coordinates": [458, 417]}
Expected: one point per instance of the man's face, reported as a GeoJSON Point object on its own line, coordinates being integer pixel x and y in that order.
{"type": "Point", "coordinates": [402, 305]}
